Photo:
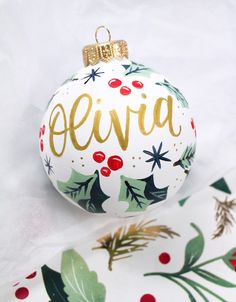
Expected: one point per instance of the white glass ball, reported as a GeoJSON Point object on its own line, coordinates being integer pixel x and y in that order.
{"type": "Point", "coordinates": [117, 139]}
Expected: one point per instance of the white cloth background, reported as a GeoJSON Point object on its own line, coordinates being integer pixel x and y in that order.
{"type": "Point", "coordinates": [193, 43]}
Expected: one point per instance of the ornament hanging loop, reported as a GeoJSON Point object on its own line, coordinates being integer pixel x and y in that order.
{"type": "Point", "coordinates": [99, 29]}
{"type": "Point", "coordinates": [104, 51]}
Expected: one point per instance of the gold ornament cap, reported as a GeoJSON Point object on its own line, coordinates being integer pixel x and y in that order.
{"type": "Point", "coordinates": [105, 51]}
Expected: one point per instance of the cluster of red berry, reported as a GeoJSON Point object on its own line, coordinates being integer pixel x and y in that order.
{"type": "Point", "coordinates": [114, 162]}
{"type": "Point", "coordinates": [23, 292]}
{"type": "Point", "coordinates": [124, 90]}
{"type": "Point", "coordinates": [41, 133]}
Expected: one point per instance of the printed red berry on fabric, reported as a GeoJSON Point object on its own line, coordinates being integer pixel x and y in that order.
{"type": "Point", "coordinates": [148, 298]}
{"type": "Point", "coordinates": [22, 293]}
{"type": "Point", "coordinates": [164, 258]}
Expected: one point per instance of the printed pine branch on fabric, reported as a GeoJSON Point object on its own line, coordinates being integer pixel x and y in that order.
{"type": "Point", "coordinates": [140, 193]}
{"type": "Point", "coordinates": [175, 91]}
{"type": "Point", "coordinates": [75, 282]}
{"type": "Point", "coordinates": [85, 190]}
{"type": "Point", "coordinates": [186, 159]}
{"type": "Point", "coordinates": [193, 252]}
{"type": "Point", "coordinates": [126, 240]}
{"type": "Point", "coordinates": [224, 216]}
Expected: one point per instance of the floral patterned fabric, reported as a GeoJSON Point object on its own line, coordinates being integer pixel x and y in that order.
{"type": "Point", "coordinates": [185, 252]}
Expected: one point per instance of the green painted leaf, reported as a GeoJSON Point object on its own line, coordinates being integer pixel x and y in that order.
{"type": "Point", "coordinates": [54, 285]}
{"type": "Point", "coordinates": [194, 249]}
{"type": "Point", "coordinates": [221, 185]}
{"type": "Point", "coordinates": [174, 91]}
{"type": "Point", "coordinates": [230, 259]}
{"type": "Point", "coordinates": [183, 201]}
{"type": "Point", "coordinates": [136, 69]}
{"type": "Point", "coordinates": [140, 193]}
{"type": "Point", "coordinates": [152, 192]}
{"type": "Point", "coordinates": [84, 190]}
{"type": "Point", "coordinates": [213, 278]}
{"type": "Point", "coordinates": [187, 157]}
{"type": "Point", "coordinates": [132, 190]}
{"type": "Point", "coordinates": [81, 284]}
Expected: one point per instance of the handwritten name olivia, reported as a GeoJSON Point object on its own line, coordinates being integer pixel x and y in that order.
{"type": "Point", "coordinates": [72, 126]}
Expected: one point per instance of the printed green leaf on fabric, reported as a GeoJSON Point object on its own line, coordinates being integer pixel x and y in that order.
{"type": "Point", "coordinates": [213, 278]}
{"type": "Point", "coordinates": [81, 284]}
{"type": "Point", "coordinates": [230, 259]}
{"type": "Point", "coordinates": [194, 249]}
{"type": "Point", "coordinates": [84, 190]}
{"type": "Point", "coordinates": [54, 285]}
{"type": "Point", "coordinates": [221, 185]}
{"type": "Point", "coordinates": [183, 201]}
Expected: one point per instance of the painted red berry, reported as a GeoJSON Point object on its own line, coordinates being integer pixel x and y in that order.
{"type": "Point", "coordinates": [124, 90]}
{"type": "Point", "coordinates": [192, 123]}
{"type": "Point", "coordinates": [105, 171]}
{"type": "Point", "coordinates": [41, 145]}
{"type": "Point", "coordinates": [164, 258]}
{"type": "Point", "coordinates": [148, 298]}
{"type": "Point", "coordinates": [114, 83]}
{"type": "Point", "coordinates": [22, 293]}
{"type": "Point", "coordinates": [31, 276]}
{"type": "Point", "coordinates": [99, 156]}
{"type": "Point", "coordinates": [43, 129]}
{"type": "Point", "coordinates": [137, 84]}
{"type": "Point", "coordinates": [115, 162]}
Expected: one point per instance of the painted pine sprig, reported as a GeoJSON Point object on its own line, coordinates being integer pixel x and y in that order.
{"type": "Point", "coordinates": [126, 240]}
{"type": "Point", "coordinates": [186, 159]}
{"type": "Point", "coordinates": [224, 216]}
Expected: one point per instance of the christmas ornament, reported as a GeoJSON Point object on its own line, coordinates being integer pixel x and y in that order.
{"type": "Point", "coordinates": [117, 138]}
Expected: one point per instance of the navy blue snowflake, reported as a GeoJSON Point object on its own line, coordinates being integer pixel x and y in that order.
{"type": "Point", "coordinates": [156, 156]}
{"type": "Point", "coordinates": [48, 165]}
{"type": "Point", "coordinates": [93, 75]}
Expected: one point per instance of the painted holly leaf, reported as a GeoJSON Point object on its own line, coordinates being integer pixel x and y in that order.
{"type": "Point", "coordinates": [81, 284]}
{"type": "Point", "coordinates": [140, 193]}
{"type": "Point", "coordinates": [186, 159]}
{"type": "Point", "coordinates": [54, 285]}
{"type": "Point", "coordinates": [213, 278]}
{"type": "Point", "coordinates": [230, 259]}
{"type": "Point", "coordinates": [84, 190]}
{"type": "Point", "coordinates": [194, 249]}
{"type": "Point", "coordinates": [152, 192]}
{"type": "Point", "coordinates": [174, 91]}
{"type": "Point", "coordinates": [136, 69]}
{"type": "Point", "coordinates": [132, 190]}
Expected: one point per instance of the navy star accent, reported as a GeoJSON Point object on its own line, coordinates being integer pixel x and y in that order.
{"type": "Point", "coordinates": [156, 156]}
{"type": "Point", "coordinates": [48, 165]}
{"type": "Point", "coordinates": [92, 75]}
